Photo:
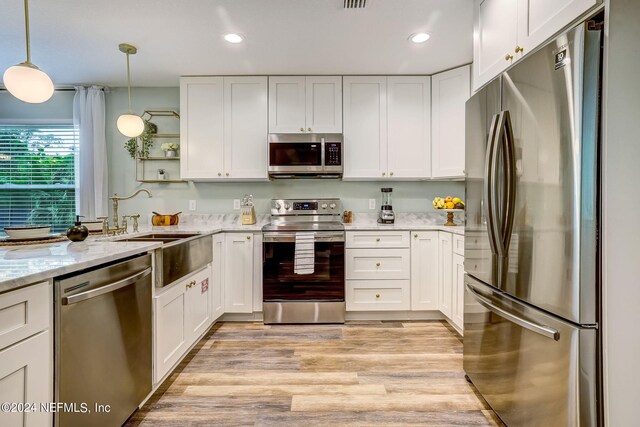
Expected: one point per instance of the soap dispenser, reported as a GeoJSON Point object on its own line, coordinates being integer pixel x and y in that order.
{"type": "Point", "coordinates": [78, 232]}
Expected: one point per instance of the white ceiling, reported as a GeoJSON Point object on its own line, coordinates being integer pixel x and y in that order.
{"type": "Point", "coordinates": [77, 41]}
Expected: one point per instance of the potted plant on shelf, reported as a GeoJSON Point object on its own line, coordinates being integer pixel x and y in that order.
{"type": "Point", "coordinates": [170, 149]}
{"type": "Point", "coordinates": [141, 151]}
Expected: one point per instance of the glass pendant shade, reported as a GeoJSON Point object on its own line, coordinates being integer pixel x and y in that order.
{"type": "Point", "coordinates": [130, 125]}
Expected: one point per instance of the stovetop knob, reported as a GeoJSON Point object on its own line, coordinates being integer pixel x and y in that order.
{"type": "Point", "coordinates": [323, 206]}
{"type": "Point", "coordinates": [287, 206]}
{"type": "Point", "coordinates": [278, 206]}
{"type": "Point", "coordinates": [332, 206]}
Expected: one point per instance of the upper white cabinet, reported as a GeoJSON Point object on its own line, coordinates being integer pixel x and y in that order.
{"type": "Point", "coordinates": [387, 129]}
{"type": "Point", "coordinates": [311, 104]}
{"type": "Point", "coordinates": [365, 126]}
{"type": "Point", "coordinates": [505, 30]}
{"type": "Point", "coordinates": [223, 128]}
{"type": "Point", "coordinates": [449, 93]}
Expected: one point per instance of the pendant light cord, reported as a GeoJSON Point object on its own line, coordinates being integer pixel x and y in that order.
{"type": "Point", "coordinates": [129, 83]}
{"type": "Point", "coordinates": [26, 26]}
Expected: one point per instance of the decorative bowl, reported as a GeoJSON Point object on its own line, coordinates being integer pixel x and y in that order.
{"type": "Point", "coordinates": [28, 231]}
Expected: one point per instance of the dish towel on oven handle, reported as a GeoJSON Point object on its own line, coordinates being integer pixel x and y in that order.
{"type": "Point", "coordinates": [304, 253]}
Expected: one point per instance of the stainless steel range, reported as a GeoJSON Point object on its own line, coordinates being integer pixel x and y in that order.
{"type": "Point", "coordinates": [303, 264]}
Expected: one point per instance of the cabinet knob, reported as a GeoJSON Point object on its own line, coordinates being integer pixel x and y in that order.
{"type": "Point", "coordinates": [219, 174]}
{"type": "Point", "coordinates": [301, 129]}
{"type": "Point", "coordinates": [377, 264]}
{"type": "Point", "coordinates": [309, 129]}
{"type": "Point", "coordinates": [383, 173]}
{"type": "Point", "coordinates": [391, 174]}
{"type": "Point", "coordinates": [248, 237]}
{"type": "Point", "coordinates": [377, 295]}
{"type": "Point", "coordinates": [227, 174]}
{"type": "Point", "coordinates": [415, 236]}
{"type": "Point", "coordinates": [519, 49]}
{"type": "Point", "coordinates": [377, 239]}
{"type": "Point", "coordinates": [508, 57]}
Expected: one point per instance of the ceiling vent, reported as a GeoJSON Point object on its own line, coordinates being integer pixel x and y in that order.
{"type": "Point", "coordinates": [354, 4]}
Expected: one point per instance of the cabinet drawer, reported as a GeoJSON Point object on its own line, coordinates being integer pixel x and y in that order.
{"type": "Point", "coordinates": [24, 312]}
{"type": "Point", "coordinates": [377, 239]}
{"type": "Point", "coordinates": [377, 295]}
{"type": "Point", "coordinates": [378, 264]}
{"type": "Point", "coordinates": [458, 244]}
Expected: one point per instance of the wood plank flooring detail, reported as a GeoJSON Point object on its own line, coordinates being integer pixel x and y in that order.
{"type": "Point", "coordinates": [358, 374]}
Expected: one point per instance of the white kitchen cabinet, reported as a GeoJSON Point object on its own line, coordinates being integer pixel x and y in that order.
{"type": "Point", "coordinates": [378, 295]}
{"type": "Point", "coordinates": [223, 128]}
{"type": "Point", "coordinates": [378, 264]}
{"type": "Point", "coordinates": [365, 127]}
{"type": "Point", "coordinates": [217, 277]}
{"type": "Point", "coordinates": [183, 313]}
{"type": "Point", "coordinates": [458, 291]}
{"type": "Point", "coordinates": [424, 270]}
{"type": "Point", "coordinates": [449, 93]}
{"type": "Point", "coordinates": [201, 127]}
{"type": "Point", "coordinates": [496, 33]}
{"type": "Point", "coordinates": [26, 377]}
{"type": "Point", "coordinates": [24, 312]}
{"type": "Point", "coordinates": [506, 30]}
{"type": "Point", "coordinates": [238, 273]}
{"type": "Point", "coordinates": [409, 127]}
{"type": "Point", "coordinates": [257, 272]}
{"type": "Point", "coordinates": [377, 239]}
{"type": "Point", "coordinates": [445, 260]}
{"type": "Point", "coordinates": [245, 127]}
{"type": "Point", "coordinates": [387, 127]}
{"type": "Point", "coordinates": [311, 104]}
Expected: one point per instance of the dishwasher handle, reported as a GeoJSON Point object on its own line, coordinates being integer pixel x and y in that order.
{"type": "Point", "coordinates": [106, 289]}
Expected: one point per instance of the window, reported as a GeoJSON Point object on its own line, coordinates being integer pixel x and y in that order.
{"type": "Point", "coordinates": [38, 175]}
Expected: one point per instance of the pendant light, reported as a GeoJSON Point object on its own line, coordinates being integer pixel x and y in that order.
{"type": "Point", "coordinates": [129, 124]}
{"type": "Point", "coordinates": [25, 81]}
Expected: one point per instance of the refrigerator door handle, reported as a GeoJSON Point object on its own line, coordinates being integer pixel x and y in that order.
{"type": "Point", "coordinates": [534, 327]}
{"type": "Point", "coordinates": [489, 174]}
{"type": "Point", "coordinates": [510, 176]}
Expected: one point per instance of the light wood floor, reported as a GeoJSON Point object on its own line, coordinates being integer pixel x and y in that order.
{"type": "Point", "coordinates": [361, 373]}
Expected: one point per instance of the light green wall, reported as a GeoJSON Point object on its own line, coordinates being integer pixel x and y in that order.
{"type": "Point", "coordinates": [59, 107]}
{"type": "Point", "coordinates": [218, 197]}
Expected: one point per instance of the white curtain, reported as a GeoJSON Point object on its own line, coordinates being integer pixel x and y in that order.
{"type": "Point", "coordinates": [89, 119]}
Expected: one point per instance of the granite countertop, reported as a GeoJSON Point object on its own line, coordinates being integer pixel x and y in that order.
{"type": "Point", "coordinates": [24, 265]}
{"type": "Point", "coordinates": [405, 221]}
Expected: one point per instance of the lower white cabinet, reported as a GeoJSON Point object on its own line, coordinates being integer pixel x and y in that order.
{"type": "Point", "coordinates": [378, 295]}
{"type": "Point", "coordinates": [424, 270]}
{"type": "Point", "coordinates": [26, 377]}
{"type": "Point", "coordinates": [217, 277]}
{"type": "Point", "coordinates": [24, 312]}
{"type": "Point", "coordinates": [458, 291]}
{"type": "Point", "coordinates": [445, 259]}
{"type": "Point", "coordinates": [238, 273]}
{"type": "Point", "coordinates": [183, 314]}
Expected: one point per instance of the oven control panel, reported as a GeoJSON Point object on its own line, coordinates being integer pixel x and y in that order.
{"type": "Point", "coordinates": [306, 207]}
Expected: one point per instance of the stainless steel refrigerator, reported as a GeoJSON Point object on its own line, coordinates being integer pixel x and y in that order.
{"type": "Point", "coordinates": [531, 339]}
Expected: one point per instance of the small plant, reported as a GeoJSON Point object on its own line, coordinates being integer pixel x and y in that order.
{"type": "Point", "coordinates": [141, 150]}
{"type": "Point", "coordinates": [170, 146]}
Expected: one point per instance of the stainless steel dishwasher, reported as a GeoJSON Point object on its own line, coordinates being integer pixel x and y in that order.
{"type": "Point", "coordinates": [103, 350]}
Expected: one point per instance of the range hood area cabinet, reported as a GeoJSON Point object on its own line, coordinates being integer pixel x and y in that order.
{"type": "Point", "coordinates": [305, 104]}
{"type": "Point", "coordinates": [223, 128]}
{"type": "Point", "coordinates": [387, 127]}
{"type": "Point", "coordinates": [507, 30]}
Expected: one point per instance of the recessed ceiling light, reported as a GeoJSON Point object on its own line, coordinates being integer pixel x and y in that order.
{"type": "Point", "coordinates": [233, 38]}
{"type": "Point", "coordinates": [419, 37]}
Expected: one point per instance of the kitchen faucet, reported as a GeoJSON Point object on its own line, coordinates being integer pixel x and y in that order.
{"type": "Point", "coordinates": [123, 228]}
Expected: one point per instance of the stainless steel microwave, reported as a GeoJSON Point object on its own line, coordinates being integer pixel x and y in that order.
{"type": "Point", "coordinates": [311, 155]}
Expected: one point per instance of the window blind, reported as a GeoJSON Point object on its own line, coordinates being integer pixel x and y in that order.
{"type": "Point", "coordinates": [38, 175]}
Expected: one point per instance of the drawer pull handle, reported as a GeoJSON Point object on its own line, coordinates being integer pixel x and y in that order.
{"type": "Point", "coordinates": [377, 295]}
{"type": "Point", "coordinates": [191, 284]}
{"type": "Point", "coordinates": [248, 237]}
{"type": "Point", "coordinates": [377, 239]}
{"type": "Point", "coordinates": [377, 264]}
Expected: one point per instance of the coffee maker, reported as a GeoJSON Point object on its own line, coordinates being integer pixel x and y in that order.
{"type": "Point", "coordinates": [386, 215]}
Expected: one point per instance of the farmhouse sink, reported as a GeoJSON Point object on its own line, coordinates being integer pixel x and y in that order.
{"type": "Point", "coordinates": [180, 255]}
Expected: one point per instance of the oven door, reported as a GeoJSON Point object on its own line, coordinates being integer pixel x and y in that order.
{"type": "Point", "coordinates": [295, 157]}
{"type": "Point", "coordinates": [281, 284]}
